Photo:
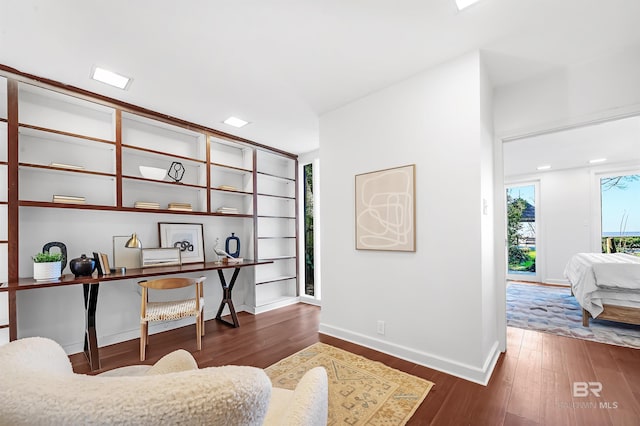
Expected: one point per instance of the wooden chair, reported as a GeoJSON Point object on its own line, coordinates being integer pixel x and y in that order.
{"type": "Point", "coordinates": [171, 310]}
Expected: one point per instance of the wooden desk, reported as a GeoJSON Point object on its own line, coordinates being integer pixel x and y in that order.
{"type": "Point", "coordinates": [91, 286]}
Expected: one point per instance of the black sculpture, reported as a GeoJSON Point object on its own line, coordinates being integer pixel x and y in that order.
{"type": "Point", "coordinates": [176, 171]}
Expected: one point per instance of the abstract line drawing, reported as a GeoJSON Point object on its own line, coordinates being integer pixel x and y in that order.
{"type": "Point", "coordinates": [385, 209]}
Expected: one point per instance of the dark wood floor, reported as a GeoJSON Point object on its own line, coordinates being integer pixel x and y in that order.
{"type": "Point", "coordinates": [532, 382]}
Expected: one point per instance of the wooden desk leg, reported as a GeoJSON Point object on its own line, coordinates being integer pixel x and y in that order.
{"type": "Point", "coordinates": [90, 338]}
{"type": "Point", "coordinates": [226, 298]}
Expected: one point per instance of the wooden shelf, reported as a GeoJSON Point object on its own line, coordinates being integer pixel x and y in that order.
{"type": "Point", "coordinates": [63, 133]}
{"type": "Point", "coordinates": [276, 279]}
{"type": "Point", "coordinates": [164, 182]}
{"type": "Point", "coordinates": [232, 169]}
{"type": "Point", "coordinates": [164, 154]}
{"type": "Point", "coordinates": [65, 170]}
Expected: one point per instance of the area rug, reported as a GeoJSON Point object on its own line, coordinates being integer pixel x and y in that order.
{"type": "Point", "coordinates": [361, 391]}
{"type": "Point", "coordinates": [554, 310]}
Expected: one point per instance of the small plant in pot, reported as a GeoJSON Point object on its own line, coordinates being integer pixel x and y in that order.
{"type": "Point", "coordinates": [47, 266]}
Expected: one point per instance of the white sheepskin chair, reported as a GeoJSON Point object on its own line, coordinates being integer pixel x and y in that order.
{"type": "Point", "coordinates": [38, 386]}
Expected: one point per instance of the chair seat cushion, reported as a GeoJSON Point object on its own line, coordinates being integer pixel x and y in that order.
{"type": "Point", "coordinates": [166, 311]}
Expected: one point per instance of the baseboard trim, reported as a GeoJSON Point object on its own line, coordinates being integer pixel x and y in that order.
{"type": "Point", "coordinates": [455, 368]}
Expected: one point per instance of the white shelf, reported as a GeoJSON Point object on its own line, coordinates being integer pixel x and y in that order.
{"type": "Point", "coordinates": [42, 184]}
{"type": "Point", "coordinates": [231, 154]}
{"type": "Point", "coordinates": [194, 171]}
{"type": "Point", "coordinates": [52, 110]}
{"type": "Point", "coordinates": [156, 135]}
{"type": "Point", "coordinates": [44, 148]}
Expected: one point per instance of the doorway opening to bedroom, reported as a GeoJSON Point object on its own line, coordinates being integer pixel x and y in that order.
{"type": "Point", "coordinates": [620, 213]}
{"type": "Point", "coordinates": [522, 227]}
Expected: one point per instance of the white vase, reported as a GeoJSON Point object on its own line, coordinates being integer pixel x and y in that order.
{"type": "Point", "coordinates": [47, 271]}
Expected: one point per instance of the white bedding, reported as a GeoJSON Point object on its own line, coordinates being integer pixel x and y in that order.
{"type": "Point", "coordinates": [598, 276]}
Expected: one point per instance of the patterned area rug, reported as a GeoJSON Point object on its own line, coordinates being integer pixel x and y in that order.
{"type": "Point", "coordinates": [554, 310]}
{"type": "Point", "coordinates": [361, 391]}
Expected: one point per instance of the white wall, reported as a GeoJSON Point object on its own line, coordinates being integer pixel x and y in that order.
{"type": "Point", "coordinates": [564, 204]}
{"type": "Point", "coordinates": [430, 300]}
{"type": "Point", "coordinates": [602, 88]}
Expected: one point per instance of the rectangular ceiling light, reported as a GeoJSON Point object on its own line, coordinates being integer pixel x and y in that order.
{"type": "Point", "coordinates": [462, 4]}
{"type": "Point", "coordinates": [111, 78]}
{"type": "Point", "coordinates": [545, 167]}
{"type": "Point", "coordinates": [235, 122]}
{"type": "Point", "coordinates": [597, 160]}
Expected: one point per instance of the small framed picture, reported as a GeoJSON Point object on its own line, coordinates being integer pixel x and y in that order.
{"type": "Point", "coordinates": [160, 257]}
{"type": "Point", "coordinates": [188, 237]}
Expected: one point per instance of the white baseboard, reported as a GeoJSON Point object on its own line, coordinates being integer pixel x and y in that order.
{"type": "Point", "coordinates": [455, 368]}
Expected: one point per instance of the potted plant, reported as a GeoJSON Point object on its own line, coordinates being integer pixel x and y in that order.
{"type": "Point", "coordinates": [47, 266]}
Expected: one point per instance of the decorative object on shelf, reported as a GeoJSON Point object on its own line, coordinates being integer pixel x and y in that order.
{"type": "Point", "coordinates": [63, 250]}
{"type": "Point", "coordinates": [160, 257]}
{"type": "Point", "coordinates": [154, 173]}
{"type": "Point", "coordinates": [219, 252]}
{"type": "Point", "coordinates": [133, 242]}
{"type": "Point", "coordinates": [385, 209]}
{"type": "Point", "coordinates": [68, 199]}
{"type": "Point", "coordinates": [185, 207]}
{"type": "Point", "coordinates": [176, 171]}
{"type": "Point", "coordinates": [82, 266]}
{"type": "Point", "coordinates": [47, 266]}
{"type": "Point", "coordinates": [232, 241]}
{"type": "Point", "coordinates": [124, 257]}
{"type": "Point", "coordinates": [188, 237]}
{"type": "Point", "coordinates": [227, 210]}
{"type": "Point", "coordinates": [146, 205]}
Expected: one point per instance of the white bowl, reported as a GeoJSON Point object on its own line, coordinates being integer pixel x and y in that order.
{"type": "Point", "coordinates": [154, 173]}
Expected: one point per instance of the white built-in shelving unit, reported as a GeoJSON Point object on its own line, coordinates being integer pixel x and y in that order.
{"type": "Point", "coordinates": [74, 143]}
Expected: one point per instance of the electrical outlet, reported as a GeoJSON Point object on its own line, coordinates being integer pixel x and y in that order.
{"type": "Point", "coordinates": [381, 327]}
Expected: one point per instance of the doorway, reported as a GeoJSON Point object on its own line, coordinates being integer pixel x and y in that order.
{"type": "Point", "coordinates": [522, 226]}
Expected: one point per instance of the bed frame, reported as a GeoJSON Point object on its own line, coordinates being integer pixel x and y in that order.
{"type": "Point", "coordinates": [622, 314]}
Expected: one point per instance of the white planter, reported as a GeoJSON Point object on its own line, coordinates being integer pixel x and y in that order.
{"type": "Point", "coordinates": [47, 271]}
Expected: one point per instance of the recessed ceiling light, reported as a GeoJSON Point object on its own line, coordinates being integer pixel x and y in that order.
{"type": "Point", "coordinates": [545, 167]}
{"type": "Point", "coordinates": [462, 4]}
{"type": "Point", "coordinates": [597, 160]}
{"type": "Point", "coordinates": [235, 122]}
{"type": "Point", "coordinates": [111, 78]}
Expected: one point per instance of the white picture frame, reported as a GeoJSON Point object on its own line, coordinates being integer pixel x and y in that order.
{"type": "Point", "coordinates": [188, 237]}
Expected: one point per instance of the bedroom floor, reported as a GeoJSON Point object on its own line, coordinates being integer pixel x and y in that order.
{"type": "Point", "coordinates": [552, 309]}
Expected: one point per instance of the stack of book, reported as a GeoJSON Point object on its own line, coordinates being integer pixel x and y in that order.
{"type": "Point", "coordinates": [68, 199]}
{"type": "Point", "coordinates": [180, 206]}
{"type": "Point", "coordinates": [228, 188]}
{"type": "Point", "coordinates": [227, 210]}
{"type": "Point", "coordinates": [102, 263]}
{"type": "Point", "coordinates": [66, 166]}
{"type": "Point", "coordinates": [146, 205]}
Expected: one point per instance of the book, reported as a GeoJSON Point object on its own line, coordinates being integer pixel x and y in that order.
{"type": "Point", "coordinates": [68, 199]}
{"type": "Point", "coordinates": [105, 263]}
{"type": "Point", "coordinates": [99, 266]}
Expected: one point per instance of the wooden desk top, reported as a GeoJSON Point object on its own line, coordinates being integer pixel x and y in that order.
{"type": "Point", "coordinates": [68, 279]}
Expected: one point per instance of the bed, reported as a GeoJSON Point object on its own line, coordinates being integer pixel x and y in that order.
{"type": "Point", "coordinates": [606, 285]}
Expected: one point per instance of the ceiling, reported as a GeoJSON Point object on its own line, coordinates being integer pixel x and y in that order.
{"type": "Point", "coordinates": [281, 64]}
{"type": "Point", "coordinates": [616, 141]}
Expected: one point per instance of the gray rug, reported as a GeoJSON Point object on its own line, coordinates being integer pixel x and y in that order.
{"type": "Point", "coordinates": [554, 310]}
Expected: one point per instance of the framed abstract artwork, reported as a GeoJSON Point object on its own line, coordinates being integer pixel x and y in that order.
{"type": "Point", "coordinates": [386, 209]}
{"type": "Point", "coordinates": [188, 237]}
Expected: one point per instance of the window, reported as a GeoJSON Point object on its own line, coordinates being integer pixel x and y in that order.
{"type": "Point", "coordinates": [620, 213]}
